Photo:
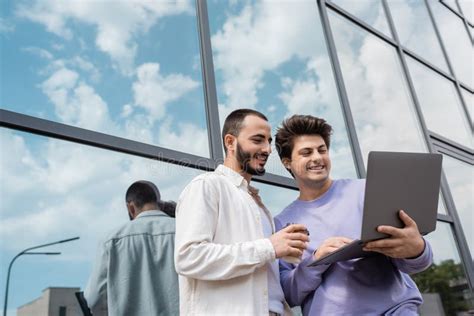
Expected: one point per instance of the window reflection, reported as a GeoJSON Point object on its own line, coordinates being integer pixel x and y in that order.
{"type": "Point", "coordinates": [369, 11]}
{"type": "Point", "coordinates": [276, 198]}
{"type": "Point", "coordinates": [440, 104]}
{"type": "Point", "coordinates": [444, 285]}
{"type": "Point", "coordinates": [469, 101]}
{"type": "Point", "coordinates": [451, 4]}
{"type": "Point", "coordinates": [416, 31]}
{"type": "Point", "coordinates": [460, 178]}
{"type": "Point", "coordinates": [279, 68]}
{"type": "Point", "coordinates": [52, 190]}
{"type": "Point", "coordinates": [383, 113]}
{"type": "Point", "coordinates": [137, 76]}
{"type": "Point", "coordinates": [456, 40]}
{"type": "Point", "coordinates": [467, 7]}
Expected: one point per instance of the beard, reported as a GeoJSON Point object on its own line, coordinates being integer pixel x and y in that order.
{"type": "Point", "coordinates": [243, 158]}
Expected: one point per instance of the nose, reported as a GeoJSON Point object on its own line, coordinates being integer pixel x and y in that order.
{"type": "Point", "coordinates": [316, 156]}
{"type": "Point", "coordinates": [268, 148]}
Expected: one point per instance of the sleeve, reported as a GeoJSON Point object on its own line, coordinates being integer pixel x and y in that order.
{"type": "Point", "coordinates": [196, 255]}
{"type": "Point", "coordinates": [95, 292]}
{"type": "Point", "coordinates": [299, 281]}
{"type": "Point", "coordinates": [418, 264]}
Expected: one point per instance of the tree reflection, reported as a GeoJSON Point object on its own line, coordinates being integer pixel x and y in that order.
{"type": "Point", "coordinates": [448, 280]}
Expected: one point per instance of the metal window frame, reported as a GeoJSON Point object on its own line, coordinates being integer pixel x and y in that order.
{"type": "Point", "coordinates": [459, 13]}
{"type": "Point", "coordinates": [341, 89]}
{"type": "Point", "coordinates": [433, 141]}
{"type": "Point", "coordinates": [450, 66]}
{"type": "Point", "coordinates": [456, 227]}
{"type": "Point", "coordinates": [209, 82]}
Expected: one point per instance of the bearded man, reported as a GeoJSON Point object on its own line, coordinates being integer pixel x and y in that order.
{"type": "Point", "coordinates": [226, 245]}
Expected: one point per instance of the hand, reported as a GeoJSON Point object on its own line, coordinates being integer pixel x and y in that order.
{"type": "Point", "coordinates": [290, 241]}
{"type": "Point", "coordinates": [403, 243]}
{"type": "Point", "coordinates": [331, 245]}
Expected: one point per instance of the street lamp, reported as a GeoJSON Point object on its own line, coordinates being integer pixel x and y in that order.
{"type": "Point", "coordinates": [27, 252]}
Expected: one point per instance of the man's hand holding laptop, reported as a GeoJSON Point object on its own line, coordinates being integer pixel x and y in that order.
{"type": "Point", "coordinates": [403, 242]}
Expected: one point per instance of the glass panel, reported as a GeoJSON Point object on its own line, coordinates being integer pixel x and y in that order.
{"type": "Point", "coordinates": [276, 198]}
{"type": "Point", "coordinates": [379, 100]}
{"type": "Point", "coordinates": [467, 7]}
{"type": "Point", "coordinates": [441, 206]}
{"type": "Point", "coordinates": [444, 285]}
{"type": "Point", "coordinates": [137, 76]}
{"type": "Point", "coordinates": [52, 190]}
{"type": "Point", "coordinates": [440, 104]}
{"type": "Point", "coordinates": [451, 4]}
{"type": "Point", "coordinates": [469, 100]}
{"type": "Point", "coordinates": [416, 31]}
{"type": "Point", "coordinates": [370, 11]}
{"type": "Point", "coordinates": [456, 41]}
{"type": "Point", "coordinates": [460, 176]}
{"type": "Point", "coordinates": [277, 68]}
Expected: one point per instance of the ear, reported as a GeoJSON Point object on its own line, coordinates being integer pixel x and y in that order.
{"type": "Point", "coordinates": [230, 142]}
{"type": "Point", "coordinates": [131, 210]}
{"type": "Point", "coordinates": [286, 163]}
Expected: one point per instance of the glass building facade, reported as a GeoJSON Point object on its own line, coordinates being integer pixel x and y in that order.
{"type": "Point", "coordinates": [95, 95]}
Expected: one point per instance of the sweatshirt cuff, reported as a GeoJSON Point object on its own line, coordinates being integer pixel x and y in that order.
{"type": "Point", "coordinates": [422, 258]}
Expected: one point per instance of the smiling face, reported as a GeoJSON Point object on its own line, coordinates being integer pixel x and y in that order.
{"type": "Point", "coordinates": [252, 146]}
{"type": "Point", "coordinates": [310, 162]}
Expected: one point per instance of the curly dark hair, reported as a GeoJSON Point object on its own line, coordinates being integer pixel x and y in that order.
{"type": "Point", "coordinates": [299, 125]}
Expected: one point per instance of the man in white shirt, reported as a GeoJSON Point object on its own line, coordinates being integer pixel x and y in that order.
{"type": "Point", "coordinates": [226, 244]}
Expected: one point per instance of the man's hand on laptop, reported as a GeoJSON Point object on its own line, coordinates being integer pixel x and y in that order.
{"type": "Point", "coordinates": [403, 242]}
{"type": "Point", "coordinates": [330, 245]}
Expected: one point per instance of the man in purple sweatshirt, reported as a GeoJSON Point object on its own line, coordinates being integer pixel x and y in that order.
{"type": "Point", "coordinates": [332, 212]}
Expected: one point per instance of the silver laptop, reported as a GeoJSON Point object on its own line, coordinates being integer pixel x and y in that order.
{"type": "Point", "coordinates": [395, 181]}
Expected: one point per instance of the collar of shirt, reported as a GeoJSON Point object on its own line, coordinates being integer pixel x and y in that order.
{"type": "Point", "coordinates": [151, 213]}
{"type": "Point", "coordinates": [238, 181]}
{"type": "Point", "coordinates": [232, 175]}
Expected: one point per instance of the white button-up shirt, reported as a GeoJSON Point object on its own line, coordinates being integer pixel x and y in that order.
{"type": "Point", "coordinates": [221, 254]}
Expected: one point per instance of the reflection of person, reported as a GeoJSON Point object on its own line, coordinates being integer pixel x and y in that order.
{"type": "Point", "coordinates": [134, 273]}
{"type": "Point", "coordinates": [225, 242]}
{"type": "Point", "coordinates": [331, 208]}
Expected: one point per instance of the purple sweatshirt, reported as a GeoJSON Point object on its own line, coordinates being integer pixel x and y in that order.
{"type": "Point", "coordinates": [368, 286]}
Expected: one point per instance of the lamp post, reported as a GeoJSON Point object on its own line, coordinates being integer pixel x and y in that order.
{"type": "Point", "coordinates": [27, 252]}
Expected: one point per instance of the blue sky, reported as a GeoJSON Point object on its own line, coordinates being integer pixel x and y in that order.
{"type": "Point", "coordinates": [59, 63]}
{"type": "Point", "coordinates": [133, 70]}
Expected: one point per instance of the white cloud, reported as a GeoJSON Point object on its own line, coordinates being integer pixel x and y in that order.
{"type": "Point", "coordinates": [86, 66]}
{"type": "Point", "coordinates": [76, 102]}
{"type": "Point", "coordinates": [43, 53]}
{"type": "Point", "coordinates": [23, 159]}
{"type": "Point", "coordinates": [258, 39]}
{"type": "Point", "coordinates": [117, 25]}
{"type": "Point", "coordinates": [139, 126]}
{"type": "Point", "coordinates": [302, 97]}
{"type": "Point", "coordinates": [6, 26]}
{"type": "Point", "coordinates": [153, 91]}
{"type": "Point", "coordinates": [188, 138]}
{"type": "Point", "coordinates": [58, 189]}
{"type": "Point", "coordinates": [127, 109]}
{"type": "Point", "coordinates": [380, 102]}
